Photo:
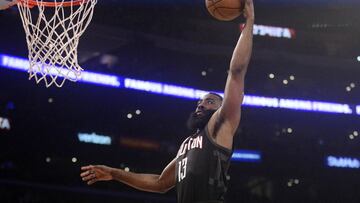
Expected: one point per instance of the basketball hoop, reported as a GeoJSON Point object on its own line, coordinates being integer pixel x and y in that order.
{"type": "Point", "coordinates": [52, 33]}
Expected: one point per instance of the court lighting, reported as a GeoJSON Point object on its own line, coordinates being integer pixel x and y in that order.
{"type": "Point", "coordinates": [246, 156]}
{"type": "Point", "coordinates": [289, 130]}
{"type": "Point", "coordinates": [5, 123]}
{"type": "Point", "coordinates": [342, 162]}
{"type": "Point", "coordinates": [115, 81]}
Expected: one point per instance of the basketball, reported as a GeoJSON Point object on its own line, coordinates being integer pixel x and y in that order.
{"type": "Point", "coordinates": [225, 10]}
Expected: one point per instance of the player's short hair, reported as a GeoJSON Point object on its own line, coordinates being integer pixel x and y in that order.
{"type": "Point", "coordinates": [218, 95]}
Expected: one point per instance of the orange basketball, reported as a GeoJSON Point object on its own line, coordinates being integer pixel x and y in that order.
{"type": "Point", "coordinates": [225, 10]}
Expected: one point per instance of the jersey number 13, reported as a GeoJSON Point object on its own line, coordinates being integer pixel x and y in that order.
{"type": "Point", "coordinates": [182, 169]}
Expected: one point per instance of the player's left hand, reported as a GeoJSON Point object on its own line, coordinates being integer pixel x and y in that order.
{"type": "Point", "coordinates": [95, 173]}
{"type": "Point", "coordinates": [7, 4]}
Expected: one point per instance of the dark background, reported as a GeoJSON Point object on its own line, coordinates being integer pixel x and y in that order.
{"type": "Point", "coordinates": [173, 42]}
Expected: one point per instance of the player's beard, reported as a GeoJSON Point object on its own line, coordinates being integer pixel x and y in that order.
{"type": "Point", "coordinates": [198, 122]}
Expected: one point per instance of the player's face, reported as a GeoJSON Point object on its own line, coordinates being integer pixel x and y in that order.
{"type": "Point", "coordinates": [208, 102]}
{"type": "Point", "coordinates": [206, 107]}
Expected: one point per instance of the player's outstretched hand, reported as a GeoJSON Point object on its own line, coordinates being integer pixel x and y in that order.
{"type": "Point", "coordinates": [94, 173]}
{"type": "Point", "coordinates": [5, 4]}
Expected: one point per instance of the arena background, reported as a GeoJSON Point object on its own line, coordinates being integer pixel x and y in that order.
{"type": "Point", "coordinates": [303, 50]}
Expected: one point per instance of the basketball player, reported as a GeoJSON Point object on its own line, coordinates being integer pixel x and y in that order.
{"type": "Point", "coordinates": [200, 167]}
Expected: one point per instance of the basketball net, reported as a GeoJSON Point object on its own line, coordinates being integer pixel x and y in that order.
{"type": "Point", "coordinates": [52, 35]}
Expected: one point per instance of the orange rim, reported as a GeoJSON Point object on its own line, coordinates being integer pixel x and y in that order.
{"type": "Point", "coordinates": [33, 3]}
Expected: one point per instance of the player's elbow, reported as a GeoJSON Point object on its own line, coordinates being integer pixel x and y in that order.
{"type": "Point", "coordinates": [163, 187]}
{"type": "Point", "coordinates": [155, 189]}
{"type": "Point", "coordinates": [164, 190]}
{"type": "Point", "coordinates": [237, 69]}
{"type": "Point", "coordinates": [237, 74]}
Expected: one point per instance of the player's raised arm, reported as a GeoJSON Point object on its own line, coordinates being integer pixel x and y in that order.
{"type": "Point", "coordinates": [225, 122]}
{"type": "Point", "coordinates": [145, 182]}
{"type": "Point", "coordinates": [234, 89]}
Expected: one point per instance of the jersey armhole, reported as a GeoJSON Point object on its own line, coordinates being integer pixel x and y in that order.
{"type": "Point", "coordinates": [226, 150]}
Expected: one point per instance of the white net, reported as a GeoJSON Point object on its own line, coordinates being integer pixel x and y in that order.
{"type": "Point", "coordinates": [52, 35]}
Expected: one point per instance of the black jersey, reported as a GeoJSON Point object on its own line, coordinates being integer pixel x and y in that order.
{"type": "Point", "coordinates": [201, 169]}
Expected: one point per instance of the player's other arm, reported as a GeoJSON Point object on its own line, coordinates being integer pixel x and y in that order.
{"type": "Point", "coordinates": [145, 182]}
{"type": "Point", "coordinates": [7, 4]}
